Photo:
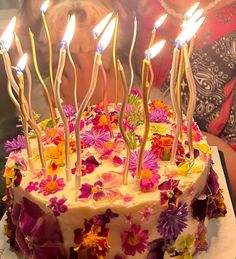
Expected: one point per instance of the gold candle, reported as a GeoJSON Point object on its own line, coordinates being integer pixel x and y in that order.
{"type": "Point", "coordinates": [146, 85]}
{"type": "Point", "coordinates": [64, 45]}
{"type": "Point", "coordinates": [121, 124]}
{"type": "Point", "coordinates": [131, 55]}
{"type": "Point", "coordinates": [52, 111]}
{"type": "Point", "coordinates": [101, 46]}
{"type": "Point", "coordinates": [96, 32]}
{"type": "Point", "coordinates": [28, 75]}
{"type": "Point", "coordinates": [20, 68]}
{"type": "Point", "coordinates": [43, 10]}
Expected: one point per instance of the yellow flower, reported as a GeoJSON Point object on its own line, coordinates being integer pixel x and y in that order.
{"type": "Point", "coordinates": [184, 245]}
{"type": "Point", "coordinates": [203, 147]}
{"type": "Point", "coordinates": [159, 128]}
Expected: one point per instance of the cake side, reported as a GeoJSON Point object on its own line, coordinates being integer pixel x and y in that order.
{"type": "Point", "coordinates": [106, 219]}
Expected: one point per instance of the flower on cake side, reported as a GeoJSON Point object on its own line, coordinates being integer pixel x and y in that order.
{"type": "Point", "coordinates": [31, 223]}
{"type": "Point", "coordinates": [210, 203]}
{"type": "Point", "coordinates": [93, 237]}
{"type": "Point", "coordinates": [57, 206]}
{"type": "Point", "coordinates": [134, 240]}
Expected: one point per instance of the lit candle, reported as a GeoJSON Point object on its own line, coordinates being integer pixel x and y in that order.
{"type": "Point", "coordinates": [192, 87]}
{"type": "Point", "coordinates": [52, 111]}
{"type": "Point", "coordinates": [101, 46]}
{"type": "Point", "coordinates": [98, 29]}
{"type": "Point", "coordinates": [131, 54]}
{"type": "Point", "coordinates": [69, 32]}
{"type": "Point", "coordinates": [20, 69]}
{"type": "Point", "coordinates": [121, 124]}
{"type": "Point", "coordinates": [146, 85]}
{"type": "Point", "coordinates": [156, 25]}
{"type": "Point", "coordinates": [43, 10]}
{"type": "Point", "coordinates": [28, 74]}
{"type": "Point", "coordinates": [184, 36]}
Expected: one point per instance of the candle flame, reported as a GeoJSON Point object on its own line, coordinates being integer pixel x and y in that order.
{"type": "Point", "coordinates": [22, 63]}
{"type": "Point", "coordinates": [159, 22]}
{"type": "Point", "coordinates": [190, 12]}
{"type": "Point", "coordinates": [44, 6]}
{"type": "Point", "coordinates": [8, 34]}
{"type": "Point", "coordinates": [70, 30]}
{"type": "Point", "coordinates": [106, 36]}
{"type": "Point", "coordinates": [189, 32]}
{"type": "Point", "coordinates": [154, 50]}
{"type": "Point", "coordinates": [193, 18]}
{"type": "Point", "coordinates": [97, 30]}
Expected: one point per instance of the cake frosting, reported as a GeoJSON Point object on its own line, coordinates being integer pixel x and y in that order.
{"type": "Point", "coordinates": [161, 215]}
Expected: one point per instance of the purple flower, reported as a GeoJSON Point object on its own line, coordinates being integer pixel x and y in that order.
{"type": "Point", "coordinates": [32, 186]}
{"type": "Point", "coordinates": [103, 219]}
{"type": "Point", "coordinates": [69, 110]}
{"type": "Point", "coordinates": [16, 144]}
{"type": "Point", "coordinates": [155, 249]}
{"type": "Point", "coordinates": [95, 138]}
{"type": "Point", "coordinates": [88, 165]}
{"type": "Point", "coordinates": [149, 161]}
{"type": "Point", "coordinates": [134, 240]}
{"type": "Point", "coordinates": [199, 207]}
{"type": "Point", "coordinates": [95, 191]}
{"type": "Point", "coordinates": [37, 234]}
{"type": "Point", "coordinates": [159, 115]}
{"type": "Point", "coordinates": [169, 191]}
{"type": "Point", "coordinates": [57, 205]}
{"type": "Point", "coordinates": [172, 221]}
{"type": "Point", "coordinates": [20, 162]}
{"type": "Point", "coordinates": [17, 177]}
{"type": "Point", "coordinates": [212, 182]}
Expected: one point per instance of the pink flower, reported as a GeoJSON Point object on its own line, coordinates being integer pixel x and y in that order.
{"type": "Point", "coordinates": [51, 185]}
{"type": "Point", "coordinates": [149, 180]}
{"type": "Point", "coordinates": [33, 186]}
{"type": "Point", "coordinates": [128, 198]}
{"type": "Point", "coordinates": [147, 213]}
{"type": "Point", "coordinates": [134, 240]}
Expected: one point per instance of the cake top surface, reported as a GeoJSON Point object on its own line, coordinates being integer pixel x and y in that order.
{"type": "Point", "coordinates": [104, 156]}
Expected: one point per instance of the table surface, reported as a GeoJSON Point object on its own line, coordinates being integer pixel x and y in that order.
{"type": "Point", "coordinates": [221, 232]}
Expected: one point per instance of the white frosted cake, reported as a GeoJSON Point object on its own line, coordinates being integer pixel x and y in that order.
{"type": "Point", "coordinates": [162, 214]}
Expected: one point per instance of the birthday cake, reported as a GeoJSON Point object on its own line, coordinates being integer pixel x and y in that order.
{"type": "Point", "coordinates": [161, 214]}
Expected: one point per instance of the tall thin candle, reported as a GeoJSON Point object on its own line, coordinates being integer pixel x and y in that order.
{"type": "Point", "coordinates": [69, 32]}
{"type": "Point", "coordinates": [101, 46]}
{"type": "Point", "coordinates": [146, 84]}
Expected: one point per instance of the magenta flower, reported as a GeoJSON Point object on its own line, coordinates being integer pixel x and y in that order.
{"type": "Point", "coordinates": [16, 144]}
{"type": "Point", "coordinates": [51, 185]}
{"type": "Point", "coordinates": [159, 115]}
{"type": "Point", "coordinates": [88, 165]}
{"type": "Point", "coordinates": [149, 180]}
{"type": "Point", "coordinates": [37, 233]}
{"type": "Point", "coordinates": [136, 92]}
{"type": "Point", "coordinates": [57, 205]}
{"type": "Point", "coordinates": [149, 161]}
{"type": "Point", "coordinates": [172, 221]}
{"type": "Point", "coordinates": [134, 240]}
{"type": "Point", "coordinates": [95, 138]}
{"type": "Point", "coordinates": [95, 191]}
{"type": "Point", "coordinates": [169, 191]}
{"type": "Point", "coordinates": [32, 186]}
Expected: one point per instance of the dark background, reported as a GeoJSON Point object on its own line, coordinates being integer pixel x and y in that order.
{"type": "Point", "coordinates": [8, 117]}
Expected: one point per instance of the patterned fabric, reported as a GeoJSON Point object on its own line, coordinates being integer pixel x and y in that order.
{"type": "Point", "coordinates": [214, 69]}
